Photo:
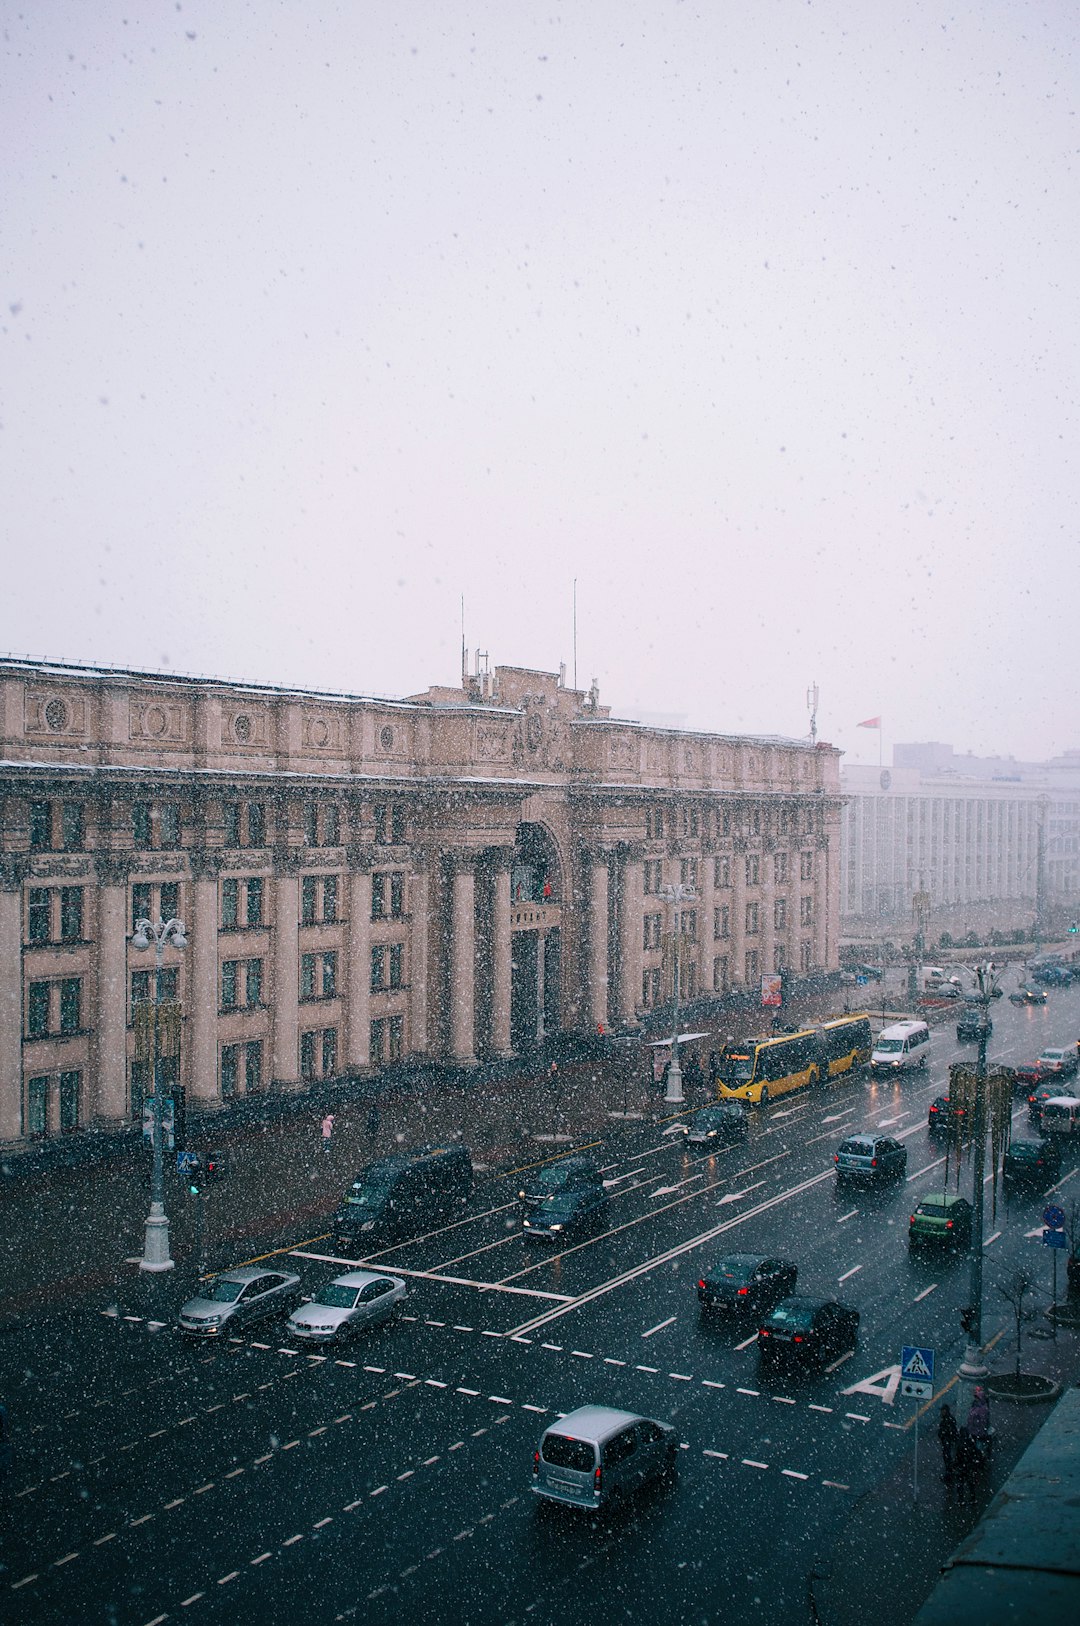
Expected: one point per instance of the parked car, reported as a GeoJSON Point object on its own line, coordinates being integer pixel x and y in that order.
{"type": "Point", "coordinates": [745, 1281]}
{"type": "Point", "coordinates": [360, 1298]}
{"type": "Point", "coordinates": [970, 1024]}
{"type": "Point", "coordinates": [236, 1298]}
{"type": "Point", "coordinates": [943, 1115]}
{"type": "Point", "coordinates": [943, 1221]}
{"type": "Point", "coordinates": [1028, 996]}
{"type": "Point", "coordinates": [872, 973]}
{"type": "Point", "coordinates": [807, 1332]}
{"type": "Point", "coordinates": [596, 1457]}
{"type": "Point", "coordinates": [869, 1159]}
{"type": "Point", "coordinates": [1058, 1061]}
{"type": "Point", "coordinates": [1040, 1096]}
{"type": "Point", "coordinates": [719, 1125]}
{"type": "Point", "coordinates": [1031, 1163]}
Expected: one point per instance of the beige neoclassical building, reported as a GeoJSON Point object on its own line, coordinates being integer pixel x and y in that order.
{"type": "Point", "coordinates": [451, 876]}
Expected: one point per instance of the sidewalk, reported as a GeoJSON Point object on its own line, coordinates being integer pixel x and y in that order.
{"type": "Point", "coordinates": [889, 1554]}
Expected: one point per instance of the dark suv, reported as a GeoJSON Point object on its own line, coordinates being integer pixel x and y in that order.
{"type": "Point", "coordinates": [868, 1159]}
{"type": "Point", "coordinates": [561, 1197]}
{"type": "Point", "coordinates": [1031, 1163]}
{"type": "Point", "coordinates": [744, 1281]}
{"type": "Point", "coordinates": [969, 1025]}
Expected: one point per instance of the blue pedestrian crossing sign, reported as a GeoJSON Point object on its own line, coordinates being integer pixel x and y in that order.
{"type": "Point", "coordinates": [917, 1372]}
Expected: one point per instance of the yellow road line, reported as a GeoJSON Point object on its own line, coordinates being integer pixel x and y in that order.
{"type": "Point", "coordinates": [953, 1381]}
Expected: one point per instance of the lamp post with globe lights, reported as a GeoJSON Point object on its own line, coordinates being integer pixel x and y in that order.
{"type": "Point", "coordinates": [156, 1255]}
{"type": "Point", "coordinates": [676, 894]}
{"type": "Point", "coordinates": [986, 989]}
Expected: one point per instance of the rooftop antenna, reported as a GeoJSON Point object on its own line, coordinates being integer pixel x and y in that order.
{"type": "Point", "coordinates": [811, 706]}
{"type": "Point", "coordinates": [575, 632]}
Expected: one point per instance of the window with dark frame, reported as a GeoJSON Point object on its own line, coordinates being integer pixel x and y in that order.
{"type": "Point", "coordinates": [255, 901]}
{"type": "Point", "coordinates": [397, 965]}
{"type": "Point", "coordinates": [169, 900]}
{"type": "Point", "coordinates": [329, 898]}
{"type": "Point", "coordinates": [329, 974]}
{"type": "Point", "coordinates": [230, 902]}
{"type": "Point", "coordinates": [37, 1018]}
{"type": "Point", "coordinates": [142, 903]}
{"type": "Point", "coordinates": [40, 826]}
{"type": "Point", "coordinates": [229, 973]}
{"type": "Point", "coordinates": [397, 895]}
{"type": "Point", "coordinates": [378, 896]}
{"type": "Point", "coordinates": [230, 1067]}
{"type": "Point", "coordinates": [73, 827]}
{"type": "Point", "coordinates": [311, 824]}
{"type": "Point", "coordinates": [140, 824]}
{"type": "Point", "coordinates": [329, 1052]}
{"type": "Point", "coordinates": [169, 824]}
{"type": "Point", "coordinates": [231, 823]}
{"type": "Point", "coordinates": [395, 1033]}
{"type": "Point", "coordinates": [256, 822]}
{"type": "Point", "coordinates": [378, 967]}
{"type": "Point", "coordinates": [253, 983]}
{"type": "Point", "coordinates": [253, 1065]}
{"type": "Point", "coordinates": [37, 915]}
{"type": "Point", "coordinates": [331, 825]}
{"type": "Point", "coordinates": [308, 893]}
{"type": "Point", "coordinates": [70, 1004]}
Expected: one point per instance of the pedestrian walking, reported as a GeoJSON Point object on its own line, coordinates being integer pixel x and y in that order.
{"type": "Point", "coordinates": [948, 1433]}
{"type": "Point", "coordinates": [327, 1131]}
{"type": "Point", "coordinates": [978, 1418]}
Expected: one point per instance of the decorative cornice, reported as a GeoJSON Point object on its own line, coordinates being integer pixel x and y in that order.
{"type": "Point", "coordinates": [359, 857]}
{"type": "Point", "coordinates": [287, 860]}
{"type": "Point", "coordinates": [498, 858]}
{"type": "Point", "coordinates": [206, 863]}
{"type": "Point", "coordinates": [461, 860]}
{"type": "Point", "coordinates": [14, 870]}
{"type": "Point", "coordinates": [113, 869]}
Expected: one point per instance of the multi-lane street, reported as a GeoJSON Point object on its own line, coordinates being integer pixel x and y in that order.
{"type": "Point", "coordinates": [389, 1477]}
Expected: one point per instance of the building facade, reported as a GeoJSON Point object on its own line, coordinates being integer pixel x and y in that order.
{"type": "Point", "coordinates": [985, 840]}
{"type": "Point", "coordinates": [451, 877]}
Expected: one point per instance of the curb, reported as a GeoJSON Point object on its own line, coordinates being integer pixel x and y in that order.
{"type": "Point", "coordinates": [1039, 1397]}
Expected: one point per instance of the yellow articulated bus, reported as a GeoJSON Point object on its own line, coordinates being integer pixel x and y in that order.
{"type": "Point", "coordinates": [758, 1070]}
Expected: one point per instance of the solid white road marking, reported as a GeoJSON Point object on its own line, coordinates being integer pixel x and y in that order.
{"type": "Point", "coordinates": [992, 1238]}
{"type": "Point", "coordinates": [659, 1327]}
{"type": "Point", "coordinates": [925, 1292]}
{"type": "Point", "coordinates": [747, 1341]}
{"type": "Point", "coordinates": [849, 1215]}
{"type": "Point", "coordinates": [853, 1271]}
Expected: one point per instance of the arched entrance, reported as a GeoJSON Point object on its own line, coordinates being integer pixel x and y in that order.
{"type": "Point", "coordinates": [536, 891]}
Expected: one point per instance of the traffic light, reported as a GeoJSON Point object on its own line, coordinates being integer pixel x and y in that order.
{"type": "Point", "coordinates": [216, 1165]}
{"type": "Point", "coordinates": [1073, 929]}
{"type": "Point", "coordinates": [195, 1183]}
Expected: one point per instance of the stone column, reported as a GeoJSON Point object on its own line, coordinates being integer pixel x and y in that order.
{"type": "Point", "coordinates": [463, 959]}
{"type": "Point", "coordinates": [286, 974]}
{"type": "Point", "coordinates": [108, 1097]}
{"type": "Point", "coordinates": [500, 951]}
{"type": "Point", "coordinates": [768, 897]}
{"type": "Point", "coordinates": [541, 984]}
{"type": "Point", "coordinates": [821, 901]}
{"type": "Point", "coordinates": [738, 913]}
{"type": "Point", "coordinates": [14, 868]}
{"type": "Point", "coordinates": [419, 884]}
{"type": "Point", "coordinates": [204, 992]}
{"type": "Point", "coordinates": [358, 961]}
{"type": "Point", "coordinates": [705, 905]}
{"type": "Point", "coordinates": [630, 929]}
{"type": "Point", "coordinates": [597, 860]}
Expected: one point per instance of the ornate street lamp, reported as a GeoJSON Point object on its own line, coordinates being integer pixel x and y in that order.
{"type": "Point", "coordinates": [973, 1365]}
{"type": "Point", "coordinates": [156, 1255]}
{"type": "Point", "coordinates": [676, 894]}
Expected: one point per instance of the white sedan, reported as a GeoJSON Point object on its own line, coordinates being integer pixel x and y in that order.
{"type": "Point", "coordinates": [360, 1298]}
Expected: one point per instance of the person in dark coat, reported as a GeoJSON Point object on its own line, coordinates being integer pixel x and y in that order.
{"type": "Point", "coordinates": [948, 1433]}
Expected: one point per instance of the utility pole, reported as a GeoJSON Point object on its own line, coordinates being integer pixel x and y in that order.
{"type": "Point", "coordinates": [973, 1365]}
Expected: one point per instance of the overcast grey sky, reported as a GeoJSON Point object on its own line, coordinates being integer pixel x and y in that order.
{"type": "Point", "coordinates": [758, 319]}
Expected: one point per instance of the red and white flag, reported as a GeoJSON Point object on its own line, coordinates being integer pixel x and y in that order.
{"type": "Point", "coordinates": [871, 722]}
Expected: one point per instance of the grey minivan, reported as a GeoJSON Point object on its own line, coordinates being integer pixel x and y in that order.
{"type": "Point", "coordinates": [597, 1457]}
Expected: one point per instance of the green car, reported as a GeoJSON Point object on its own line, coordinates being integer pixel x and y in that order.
{"type": "Point", "coordinates": [940, 1222]}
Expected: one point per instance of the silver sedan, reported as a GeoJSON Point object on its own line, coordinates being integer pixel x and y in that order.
{"type": "Point", "coordinates": [237, 1297]}
{"type": "Point", "coordinates": [360, 1298]}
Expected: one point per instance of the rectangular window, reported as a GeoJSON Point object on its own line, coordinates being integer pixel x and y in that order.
{"type": "Point", "coordinates": [378, 1039]}
{"type": "Point", "coordinates": [752, 869]}
{"type": "Point", "coordinates": [38, 1011]}
{"type": "Point", "coordinates": [329, 1052]}
{"type": "Point", "coordinates": [720, 974]}
{"type": "Point", "coordinates": [397, 961]}
{"type": "Point", "coordinates": [70, 1004]}
{"type": "Point", "coordinates": [230, 902]}
{"type": "Point", "coordinates": [721, 872]}
{"type": "Point", "coordinates": [381, 826]}
{"type": "Point", "coordinates": [256, 824]}
{"type": "Point", "coordinates": [397, 827]}
{"type": "Point", "coordinates": [722, 921]}
{"type": "Point", "coordinates": [331, 826]}
{"type": "Point", "coordinates": [307, 1055]}
{"type": "Point", "coordinates": [752, 966]}
{"type": "Point", "coordinates": [169, 983]}
{"type": "Point", "coordinates": [142, 903]}
{"type": "Point", "coordinates": [751, 919]}
{"type": "Point", "coordinates": [806, 866]}
{"type": "Point", "coordinates": [140, 824]}
{"type": "Point", "coordinates": [688, 980]}
{"type": "Point", "coordinates": [378, 896]}
{"type": "Point", "coordinates": [231, 822]}
{"type": "Point", "coordinates": [230, 1067]}
{"type": "Point", "coordinates": [397, 895]}
{"type": "Point", "coordinates": [329, 897]}
{"type": "Point", "coordinates": [307, 976]}
{"type": "Point", "coordinates": [688, 922]}
{"type": "Point", "coordinates": [804, 956]}
{"type": "Point", "coordinates": [37, 1106]}
{"type": "Point", "coordinates": [650, 986]}
{"type": "Point", "coordinates": [378, 966]}
{"type": "Point", "coordinates": [806, 911]}
{"type": "Point", "coordinates": [779, 914]}
{"type": "Point", "coordinates": [307, 900]}
{"type": "Point", "coordinates": [253, 983]}
{"type": "Point", "coordinates": [688, 872]}
{"type": "Point", "coordinates": [170, 900]}
{"type": "Point", "coordinates": [780, 868]}
{"type": "Point", "coordinates": [311, 823]}
{"type": "Point", "coordinates": [40, 826]}
{"type": "Point", "coordinates": [37, 915]}
{"type": "Point", "coordinates": [253, 1065]}
{"type": "Point", "coordinates": [395, 1034]}
{"type": "Point", "coordinates": [329, 973]}
{"type": "Point", "coordinates": [778, 957]}
{"type": "Point", "coordinates": [693, 821]}
{"type": "Point", "coordinates": [73, 827]}
{"type": "Point", "coordinates": [255, 901]}
{"type": "Point", "coordinates": [169, 824]}
{"type": "Point", "coordinates": [650, 934]}
{"type": "Point", "coordinates": [142, 988]}
{"type": "Point", "coordinates": [229, 973]}
{"type": "Point", "coordinates": [653, 875]}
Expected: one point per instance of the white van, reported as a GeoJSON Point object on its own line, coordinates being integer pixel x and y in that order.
{"type": "Point", "coordinates": [904, 1045]}
{"type": "Point", "coordinates": [1061, 1115]}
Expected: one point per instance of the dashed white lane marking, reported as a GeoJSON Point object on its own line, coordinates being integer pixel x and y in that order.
{"type": "Point", "coordinates": [648, 1369]}
{"type": "Point", "coordinates": [557, 1347]}
{"type": "Point", "coordinates": [463, 1391]}
{"type": "Point", "coordinates": [834, 1365]}
{"type": "Point", "coordinates": [991, 1238]}
{"type": "Point", "coordinates": [58, 1563]}
{"type": "Point", "coordinates": [813, 1407]}
{"type": "Point", "coordinates": [540, 1409]}
{"type": "Point", "coordinates": [15, 1585]}
{"type": "Point", "coordinates": [857, 1416]}
{"type": "Point", "coordinates": [747, 1341]}
{"type": "Point", "coordinates": [294, 1539]}
{"type": "Point", "coordinates": [660, 1325]}
{"type": "Point", "coordinates": [721, 1455]}
{"type": "Point", "coordinates": [712, 1383]}
{"type": "Point", "coordinates": [146, 1517]}
{"type": "Point", "coordinates": [791, 1473]}
{"type": "Point", "coordinates": [186, 1603]}
{"type": "Point", "coordinates": [755, 1392]}
{"type": "Point", "coordinates": [748, 1462]}
{"type": "Point", "coordinates": [609, 1360]}
{"type": "Point", "coordinates": [849, 1215]}
{"type": "Point", "coordinates": [834, 1484]}
{"type": "Point", "coordinates": [225, 1579]}
{"type": "Point", "coordinates": [925, 1293]}
{"type": "Point", "coordinates": [181, 1499]}
{"type": "Point", "coordinates": [261, 1559]}
{"type": "Point", "coordinates": [428, 1461]}
{"type": "Point", "coordinates": [784, 1400]}
{"type": "Point", "coordinates": [582, 1354]}
{"type": "Point", "coordinates": [852, 1272]}
{"type": "Point", "coordinates": [322, 1522]}
{"type": "Point", "coordinates": [101, 1540]}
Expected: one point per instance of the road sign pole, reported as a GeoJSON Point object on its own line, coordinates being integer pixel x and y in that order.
{"type": "Point", "coordinates": [916, 1488]}
{"type": "Point", "coordinates": [1053, 1296]}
